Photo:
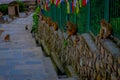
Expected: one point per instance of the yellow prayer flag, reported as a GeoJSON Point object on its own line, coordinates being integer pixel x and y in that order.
{"type": "Point", "coordinates": [68, 7]}
{"type": "Point", "coordinates": [77, 7]}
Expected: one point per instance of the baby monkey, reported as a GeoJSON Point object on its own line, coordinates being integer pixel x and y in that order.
{"type": "Point", "coordinates": [26, 27]}
{"type": "Point", "coordinates": [7, 38]}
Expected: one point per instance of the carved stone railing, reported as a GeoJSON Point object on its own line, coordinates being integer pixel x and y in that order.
{"type": "Point", "coordinates": [90, 60]}
{"type": "Point", "coordinates": [110, 58]}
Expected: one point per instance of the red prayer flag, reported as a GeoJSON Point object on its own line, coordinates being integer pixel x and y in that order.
{"type": "Point", "coordinates": [52, 1]}
{"type": "Point", "coordinates": [84, 2]}
{"type": "Point", "coordinates": [57, 3]}
{"type": "Point", "coordinates": [38, 1]}
{"type": "Point", "coordinates": [73, 6]}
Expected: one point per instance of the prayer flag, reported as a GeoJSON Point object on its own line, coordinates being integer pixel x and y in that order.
{"type": "Point", "coordinates": [83, 2]}
{"type": "Point", "coordinates": [68, 7]}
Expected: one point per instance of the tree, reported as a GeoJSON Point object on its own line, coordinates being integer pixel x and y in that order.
{"type": "Point", "coordinates": [21, 6]}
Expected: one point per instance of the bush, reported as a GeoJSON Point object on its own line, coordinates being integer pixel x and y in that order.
{"type": "Point", "coordinates": [4, 8]}
{"type": "Point", "coordinates": [35, 20]}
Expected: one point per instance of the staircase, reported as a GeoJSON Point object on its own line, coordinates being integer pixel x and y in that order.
{"type": "Point", "coordinates": [21, 59]}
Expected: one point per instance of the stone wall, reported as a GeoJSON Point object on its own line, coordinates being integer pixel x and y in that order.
{"type": "Point", "coordinates": [91, 60]}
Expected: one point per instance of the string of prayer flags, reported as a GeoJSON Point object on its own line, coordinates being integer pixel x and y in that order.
{"type": "Point", "coordinates": [72, 6]}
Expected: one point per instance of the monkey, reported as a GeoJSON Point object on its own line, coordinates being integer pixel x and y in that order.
{"type": "Point", "coordinates": [48, 19]}
{"type": "Point", "coordinates": [106, 30]}
{"type": "Point", "coordinates": [71, 29]}
{"type": "Point", "coordinates": [7, 38]}
{"type": "Point", "coordinates": [1, 31]}
{"type": "Point", "coordinates": [44, 18]}
{"type": "Point", "coordinates": [26, 27]}
{"type": "Point", "coordinates": [26, 13]}
{"type": "Point", "coordinates": [13, 17]}
{"type": "Point", "coordinates": [50, 23]}
{"type": "Point", "coordinates": [55, 25]}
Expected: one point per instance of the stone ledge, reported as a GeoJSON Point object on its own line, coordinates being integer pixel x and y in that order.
{"type": "Point", "coordinates": [111, 47]}
{"type": "Point", "coordinates": [90, 43]}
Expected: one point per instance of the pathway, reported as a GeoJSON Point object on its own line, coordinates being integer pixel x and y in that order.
{"type": "Point", "coordinates": [21, 59]}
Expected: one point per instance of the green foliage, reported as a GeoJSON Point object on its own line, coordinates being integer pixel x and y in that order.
{"type": "Point", "coordinates": [21, 6]}
{"type": "Point", "coordinates": [35, 20]}
{"type": "Point", "coordinates": [65, 43]}
{"type": "Point", "coordinates": [4, 8]}
{"type": "Point", "coordinates": [115, 22]}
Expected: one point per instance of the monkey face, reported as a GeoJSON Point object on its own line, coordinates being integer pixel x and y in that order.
{"type": "Point", "coordinates": [103, 23]}
{"type": "Point", "coordinates": [69, 26]}
{"type": "Point", "coordinates": [55, 25]}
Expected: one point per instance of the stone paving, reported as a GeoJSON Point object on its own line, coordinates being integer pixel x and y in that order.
{"type": "Point", "coordinates": [21, 59]}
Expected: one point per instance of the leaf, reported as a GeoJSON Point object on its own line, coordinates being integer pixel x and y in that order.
{"type": "Point", "coordinates": [65, 43]}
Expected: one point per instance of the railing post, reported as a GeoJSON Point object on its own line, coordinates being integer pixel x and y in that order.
{"type": "Point", "coordinates": [60, 15]}
{"type": "Point", "coordinates": [75, 18]}
{"type": "Point", "coordinates": [88, 26]}
{"type": "Point", "coordinates": [106, 10]}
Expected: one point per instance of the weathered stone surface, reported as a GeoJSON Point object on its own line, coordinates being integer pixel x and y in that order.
{"type": "Point", "coordinates": [90, 59]}
{"type": "Point", "coordinates": [21, 59]}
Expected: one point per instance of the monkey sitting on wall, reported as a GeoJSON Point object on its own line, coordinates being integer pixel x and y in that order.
{"type": "Point", "coordinates": [55, 25]}
{"type": "Point", "coordinates": [106, 30]}
{"type": "Point", "coordinates": [71, 29]}
{"type": "Point", "coordinates": [48, 19]}
{"type": "Point", "coordinates": [50, 23]}
{"type": "Point", "coordinates": [7, 38]}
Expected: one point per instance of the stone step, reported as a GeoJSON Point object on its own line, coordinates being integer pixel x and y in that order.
{"type": "Point", "coordinates": [13, 62]}
{"type": "Point", "coordinates": [26, 77]}
{"type": "Point", "coordinates": [67, 79]}
{"type": "Point", "coordinates": [18, 39]}
{"type": "Point", "coordinates": [16, 45]}
{"type": "Point", "coordinates": [49, 68]}
{"type": "Point", "coordinates": [16, 32]}
{"type": "Point", "coordinates": [31, 70]}
{"type": "Point", "coordinates": [22, 21]}
{"type": "Point", "coordinates": [15, 27]}
{"type": "Point", "coordinates": [21, 53]}
{"type": "Point", "coordinates": [9, 26]}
